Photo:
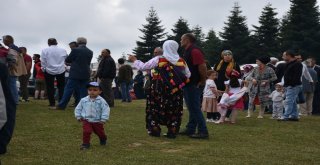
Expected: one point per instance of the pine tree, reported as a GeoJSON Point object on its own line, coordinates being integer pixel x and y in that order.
{"type": "Point", "coordinates": [212, 47]}
{"type": "Point", "coordinates": [179, 28]}
{"type": "Point", "coordinates": [153, 32]}
{"type": "Point", "coordinates": [235, 36]}
{"type": "Point", "coordinates": [301, 30]}
{"type": "Point", "coordinates": [197, 31]}
{"type": "Point", "coordinates": [266, 37]}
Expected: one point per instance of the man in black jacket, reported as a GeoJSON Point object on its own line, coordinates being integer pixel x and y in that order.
{"type": "Point", "coordinates": [293, 85]}
{"type": "Point", "coordinates": [79, 76]}
{"type": "Point", "coordinates": [9, 106]}
{"type": "Point", "coordinates": [106, 73]}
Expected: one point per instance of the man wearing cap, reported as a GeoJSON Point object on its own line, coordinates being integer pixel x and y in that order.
{"type": "Point", "coordinates": [53, 67]}
{"type": "Point", "coordinates": [80, 60]}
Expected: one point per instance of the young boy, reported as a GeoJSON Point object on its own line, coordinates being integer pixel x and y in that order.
{"type": "Point", "coordinates": [93, 111]}
{"type": "Point", "coordinates": [277, 99]}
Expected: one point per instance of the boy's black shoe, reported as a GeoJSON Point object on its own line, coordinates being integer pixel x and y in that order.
{"type": "Point", "coordinates": [200, 136]}
{"type": "Point", "coordinates": [84, 146]}
{"type": "Point", "coordinates": [103, 142]}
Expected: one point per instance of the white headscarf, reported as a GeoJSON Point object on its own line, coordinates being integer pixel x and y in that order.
{"type": "Point", "coordinates": [170, 48]}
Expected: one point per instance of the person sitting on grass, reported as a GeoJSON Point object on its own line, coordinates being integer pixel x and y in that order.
{"type": "Point", "coordinates": [93, 111]}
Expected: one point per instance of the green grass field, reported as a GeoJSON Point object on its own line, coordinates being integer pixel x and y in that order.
{"type": "Point", "coordinates": [45, 136]}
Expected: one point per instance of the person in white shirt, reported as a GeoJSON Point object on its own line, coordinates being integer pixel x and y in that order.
{"type": "Point", "coordinates": [53, 67]}
{"type": "Point", "coordinates": [210, 94]}
{"type": "Point", "coordinates": [277, 97]}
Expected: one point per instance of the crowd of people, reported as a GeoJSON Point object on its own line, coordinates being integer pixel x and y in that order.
{"type": "Point", "coordinates": [287, 89]}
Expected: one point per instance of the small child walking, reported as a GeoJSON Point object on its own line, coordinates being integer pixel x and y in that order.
{"type": "Point", "coordinates": [93, 111]}
{"type": "Point", "coordinates": [40, 83]}
{"type": "Point", "coordinates": [210, 94]}
{"type": "Point", "coordinates": [234, 100]}
{"type": "Point", "coordinates": [277, 101]}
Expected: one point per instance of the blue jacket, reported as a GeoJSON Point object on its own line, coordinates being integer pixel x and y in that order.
{"type": "Point", "coordinates": [80, 59]}
{"type": "Point", "coordinates": [96, 110]}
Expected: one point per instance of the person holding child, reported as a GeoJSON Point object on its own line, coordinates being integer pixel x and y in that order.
{"type": "Point", "coordinates": [210, 95]}
{"type": "Point", "coordinates": [93, 111]}
{"type": "Point", "coordinates": [233, 88]}
{"type": "Point", "coordinates": [277, 97]}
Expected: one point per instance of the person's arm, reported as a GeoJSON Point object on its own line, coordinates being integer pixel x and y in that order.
{"type": "Point", "coordinates": [105, 111]}
{"type": "Point", "coordinates": [202, 68]}
{"type": "Point", "coordinates": [77, 111]}
{"type": "Point", "coordinates": [71, 56]}
{"type": "Point", "coordinates": [306, 73]}
{"type": "Point", "coordinates": [29, 64]}
{"type": "Point", "coordinates": [152, 63]}
{"type": "Point", "coordinates": [43, 60]}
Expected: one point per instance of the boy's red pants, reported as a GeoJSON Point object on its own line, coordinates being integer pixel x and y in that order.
{"type": "Point", "coordinates": [88, 127]}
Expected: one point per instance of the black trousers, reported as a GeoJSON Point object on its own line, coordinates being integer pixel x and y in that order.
{"type": "Point", "coordinates": [50, 86]}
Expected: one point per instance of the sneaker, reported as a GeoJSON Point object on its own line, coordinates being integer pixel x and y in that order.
{"type": "Point", "coordinates": [248, 116]}
{"type": "Point", "coordinates": [260, 117]}
{"type": "Point", "coordinates": [84, 146]}
{"type": "Point", "coordinates": [227, 119]}
{"type": "Point", "coordinates": [209, 120]}
{"type": "Point", "coordinates": [219, 122]}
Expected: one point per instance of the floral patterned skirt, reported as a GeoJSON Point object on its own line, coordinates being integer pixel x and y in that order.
{"type": "Point", "coordinates": [163, 108]}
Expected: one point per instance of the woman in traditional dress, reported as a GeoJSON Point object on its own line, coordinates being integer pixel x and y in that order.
{"type": "Point", "coordinates": [165, 101]}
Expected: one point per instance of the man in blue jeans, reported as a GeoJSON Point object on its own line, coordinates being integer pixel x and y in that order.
{"type": "Point", "coordinates": [80, 60]}
{"type": "Point", "coordinates": [194, 57]}
{"type": "Point", "coordinates": [292, 84]}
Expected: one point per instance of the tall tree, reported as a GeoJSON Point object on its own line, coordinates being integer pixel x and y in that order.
{"type": "Point", "coordinates": [197, 31]}
{"type": "Point", "coordinates": [302, 28]}
{"type": "Point", "coordinates": [266, 36]}
{"type": "Point", "coordinates": [235, 36]}
{"type": "Point", "coordinates": [179, 28]}
{"type": "Point", "coordinates": [153, 32]}
{"type": "Point", "coordinates": [212, 47]}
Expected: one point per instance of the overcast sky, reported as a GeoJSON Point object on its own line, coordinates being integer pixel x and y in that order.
{"type": "Point", "coordinates": [114, 24]}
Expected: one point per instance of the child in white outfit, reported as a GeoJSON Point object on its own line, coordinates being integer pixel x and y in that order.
{"type": "Point", "coordinates": [209, 101]}
{"type": "Point", "coordinates": [233, 88]}
{"type": "Point", "coordinates": [277, 99]}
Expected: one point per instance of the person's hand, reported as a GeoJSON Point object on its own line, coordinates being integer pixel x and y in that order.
{"type": "Point", "coordinates": [254, 82]}
{"type": "Point", "coordinates": [132, 58]}
{"type": "Point", "coordinates": [201, 84]}
{"type": "Point", "coordinates": [101, 122]}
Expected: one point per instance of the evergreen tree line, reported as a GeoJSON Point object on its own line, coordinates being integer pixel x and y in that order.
{"type": "Point", "coordinates": [299, 30]}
